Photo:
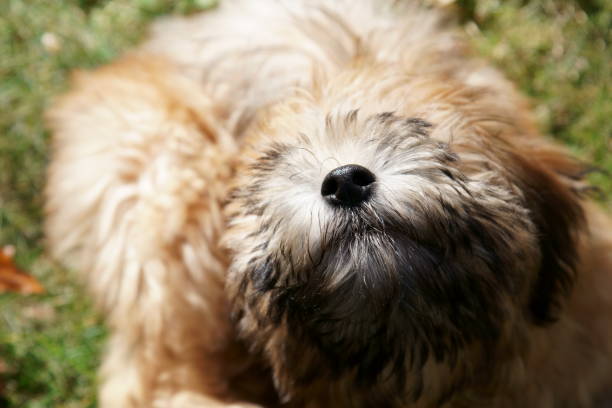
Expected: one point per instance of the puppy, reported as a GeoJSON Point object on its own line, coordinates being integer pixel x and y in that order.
{"type": "Point", "coordinates": [327, 204]}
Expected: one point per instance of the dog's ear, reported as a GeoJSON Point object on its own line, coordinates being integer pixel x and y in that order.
{"type": "Point", "coordinates": [552, 184]}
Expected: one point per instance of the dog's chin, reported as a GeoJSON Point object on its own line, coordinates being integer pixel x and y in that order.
{"type": "Point", "coordinates": [372, 298]}
{"type": "Point", "coordinates": [357, 274]}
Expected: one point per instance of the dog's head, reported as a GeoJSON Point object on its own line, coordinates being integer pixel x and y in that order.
{"type": "Point", "coordinates": [364, 246]}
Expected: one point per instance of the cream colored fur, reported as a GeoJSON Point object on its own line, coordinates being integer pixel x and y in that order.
{"type": "Point", "coordinates": [144, 152]}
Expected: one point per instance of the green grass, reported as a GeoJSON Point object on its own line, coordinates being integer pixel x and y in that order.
{"type": "Point", "coordinates": [556, 50]}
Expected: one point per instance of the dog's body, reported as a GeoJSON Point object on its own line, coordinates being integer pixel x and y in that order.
{"type": "Point", "coordinates": [470, 274]}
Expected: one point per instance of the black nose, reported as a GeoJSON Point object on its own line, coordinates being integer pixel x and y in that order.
{"type": "Point", "coordinates": [348, 185]}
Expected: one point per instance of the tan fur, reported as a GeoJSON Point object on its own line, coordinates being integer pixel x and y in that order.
{"type": "Point", "coordinates": [145, 151]}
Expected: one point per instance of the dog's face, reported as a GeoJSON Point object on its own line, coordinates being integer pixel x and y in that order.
{"type": "Point", "coordinates": [364, 246]}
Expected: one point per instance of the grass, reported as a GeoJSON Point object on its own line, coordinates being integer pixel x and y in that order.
{"type": "Point", "coordinates": [556, 50]}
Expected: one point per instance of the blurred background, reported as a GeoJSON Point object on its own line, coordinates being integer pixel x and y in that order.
{"type": "Point", "coordinates": [557, 51]}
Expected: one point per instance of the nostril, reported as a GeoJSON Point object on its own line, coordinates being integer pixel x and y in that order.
{"type": "Point", "coordinates": [329, 186]}
{"type": "Point", "coordinates": [363, 177]}
{"type": "Point", "coordinates": [348, 185]}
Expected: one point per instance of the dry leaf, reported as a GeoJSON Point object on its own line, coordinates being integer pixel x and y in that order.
{"type": "Point", "coordinates": [13, 279]}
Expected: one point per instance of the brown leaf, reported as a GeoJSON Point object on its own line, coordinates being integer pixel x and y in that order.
{"type": "Point", "coordinates": [13, 279]}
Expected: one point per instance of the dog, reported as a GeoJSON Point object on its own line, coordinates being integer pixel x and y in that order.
{"type": "Point", "coordinates": [327, 204]}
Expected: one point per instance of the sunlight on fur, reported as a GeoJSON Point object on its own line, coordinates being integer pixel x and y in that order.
{"type": "Point", "coordinates": [451, 260]}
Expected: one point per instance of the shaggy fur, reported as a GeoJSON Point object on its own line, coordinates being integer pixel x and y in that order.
{"type": "Point", "coordinates": [186, 184]}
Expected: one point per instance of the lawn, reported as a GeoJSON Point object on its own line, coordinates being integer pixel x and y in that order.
{"type": "Point", "coordinates": [558, 51]}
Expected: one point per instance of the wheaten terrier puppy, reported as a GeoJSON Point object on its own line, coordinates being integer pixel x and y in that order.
{"type": "Point", "coordinates": [327, 204]}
